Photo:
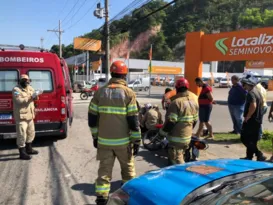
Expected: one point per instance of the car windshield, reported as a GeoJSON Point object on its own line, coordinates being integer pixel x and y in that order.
{"type": "Point", "coordinates": [132, 81]}
{"type": "Point", "coordinates": [260, 193]}
{"type": "Point", "coordinates": [223, 79]}
{"type": "Point", "coordinates": [252, 189]}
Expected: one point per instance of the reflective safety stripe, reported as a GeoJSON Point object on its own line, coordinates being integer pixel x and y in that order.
{"type": "Point", "coordinates": [93, 107]}
{"type": "Point", "coordinates": [102, 188]}
{"type": "Point", "coordinates": [94, 130]}
{"type": "Point", "coordinates": [135, 135]}
{"type": "Point", "coordinates": [195, 117]}
{"type": "Point", "coordinates": [112, 110]}
{"type": "Point", "coordinates": [113, 142]}
{"type": "Point", "coordinates": [132, 108]}
{"type": "Point", "coordinates": [179, 139]}
{"type": "Point", "coordinates": [173, 117]}
{"type": "Point", "coordinates": [188, 118]}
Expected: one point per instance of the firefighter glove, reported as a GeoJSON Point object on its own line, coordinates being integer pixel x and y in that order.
{"type": "Point", "coordinates": [95, 143]}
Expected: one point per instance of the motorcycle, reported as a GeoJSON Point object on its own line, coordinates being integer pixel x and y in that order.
{"type": "Point", "coordinates": [88, 92]}
{"type": "Point", "coordinates": [153, 142]}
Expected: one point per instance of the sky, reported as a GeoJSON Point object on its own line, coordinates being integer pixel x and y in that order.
{"type": "Point", "coordinates": [27, 21]}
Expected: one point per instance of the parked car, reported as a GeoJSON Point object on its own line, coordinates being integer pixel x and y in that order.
{"type": "Point", "coordinates": [210, 182]}
{"type": "Point", "coordinates": [139, 84]}
{"type": "Point", "coordinates": [152, 80]}
{"type": "Point", "coordinates": [224, 83]}
{"type": "Point", "coordinates": [207, 80]}
{"type": "Point", "coordinates": [217, 80]}
{"type": "Point", "coordinates": [171, 83]}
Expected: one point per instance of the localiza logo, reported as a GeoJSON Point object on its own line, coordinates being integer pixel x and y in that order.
{"type": "Point", "coordinates": [261, 44]}
{"type": "Point", "coordinates": [221, 46]}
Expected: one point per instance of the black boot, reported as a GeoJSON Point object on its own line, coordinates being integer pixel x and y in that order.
{"type": "Point", "coordinates": [23, 154]}
{"type": "Point", "coordinates": [29, 149]}
{"type": "Point", "coordinates": [260, 157]}
{"type": "Point", "coordinates": [101, 200]}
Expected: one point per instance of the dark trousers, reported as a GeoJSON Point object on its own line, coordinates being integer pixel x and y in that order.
{"type": "Point", "coordinates": [250, 136]}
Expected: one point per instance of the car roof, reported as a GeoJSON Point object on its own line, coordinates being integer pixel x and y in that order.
{"type": "Point", "coordinates": [172, 184]}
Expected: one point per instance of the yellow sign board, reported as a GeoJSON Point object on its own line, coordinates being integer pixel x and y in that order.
{"type": "Point", "coordinates": [166, 70]}
{"type": "Point", "coordinates": [87, 44]}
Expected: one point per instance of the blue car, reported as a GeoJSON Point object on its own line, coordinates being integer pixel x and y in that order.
{"type": "Point", "coordinates": [210, 182]}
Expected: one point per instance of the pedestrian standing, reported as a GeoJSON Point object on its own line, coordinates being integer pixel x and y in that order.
{"type": "Point", "coordinates": [113, 119]}
{"type": "Point", "coordinates": [205, 101]}
{"type": "Point", "coordinates": [252, 119]}
{"type": "Point", "coordinates": [270, 119]}
{"type": "Point", "coordinates": [24, 113]}
{"type": "Point", "coordinates": [166, 101]}
{"type": "Point", "coordinates": [181, 116]}
{"type": "Point", "coordinates": [263, 92]}
{"type": "Point", "coordinates": [236, 104]}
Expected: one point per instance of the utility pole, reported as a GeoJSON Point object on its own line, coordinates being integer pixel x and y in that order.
{"type": "Point", "coordinates": [42, 42]}
{"type": "Point", "coordinates": [107, 40]}
{"type": "Point", "coordinates": [59, 35]}
{"type": "Point", "coordinates": [100, 13]}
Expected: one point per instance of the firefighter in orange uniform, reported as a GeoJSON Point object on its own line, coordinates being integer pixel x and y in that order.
{"type": "Point", "coordinates": [113, 121]}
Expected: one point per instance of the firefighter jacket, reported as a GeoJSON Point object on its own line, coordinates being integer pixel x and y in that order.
{"type": "Point", "coordinates": [23, 105]}
{"type": "Point", "coordinates": [151, 118]}
{"type": "Point", "coordinates": [114, 106]}
{"type": "Point", "coordinates": [183, 111]}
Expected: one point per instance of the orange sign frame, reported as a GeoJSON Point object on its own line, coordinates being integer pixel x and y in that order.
{"type": "Point", "coordinates": [256, 44]}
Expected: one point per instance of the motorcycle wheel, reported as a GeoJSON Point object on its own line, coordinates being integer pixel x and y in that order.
{"type": "Point", "coordinates": [151, 140]}
{"type": "Point", "coordinates": [84, 96]}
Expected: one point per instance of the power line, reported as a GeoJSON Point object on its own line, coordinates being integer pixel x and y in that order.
{"type": "Point", "coordinates": [129, 8]}
{"type": "Point", "coordinates": [132, 6]}
{"type": "Point", "coordinates": [70, 11]}
{"type": "Point", "coordinates": [82, 16]}
{"type": "Point", "coordinates": [77, 11]}
{"type": "Point", "coordinates": [61, 11]}
{"type": "Point", "coordinates": [133, 24]}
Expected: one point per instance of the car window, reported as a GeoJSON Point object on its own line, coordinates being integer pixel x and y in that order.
{"type": "Point", "coordinates": [260, 193]}
{"type": "Point", "coordinates": [137, 83]}
{"type": "Point", "coordinates": [41, 80]}
{"type": "Point", "coordinates": [8, 80]}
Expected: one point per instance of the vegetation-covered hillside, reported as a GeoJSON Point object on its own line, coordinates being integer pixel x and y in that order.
{"type": "Point", "coordinates": [166, 29]}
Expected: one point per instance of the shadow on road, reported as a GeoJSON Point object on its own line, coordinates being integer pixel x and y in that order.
{"type": "Point", "coordinates": [157, 158]}
{"type": "Point", "coordinates": [60, 193]}
{"type": "Point", "coordinates": [89, 189]}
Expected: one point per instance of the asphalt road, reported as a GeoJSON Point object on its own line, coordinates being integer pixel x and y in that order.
{"type": "Point", "coordinates": [64, 172]}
